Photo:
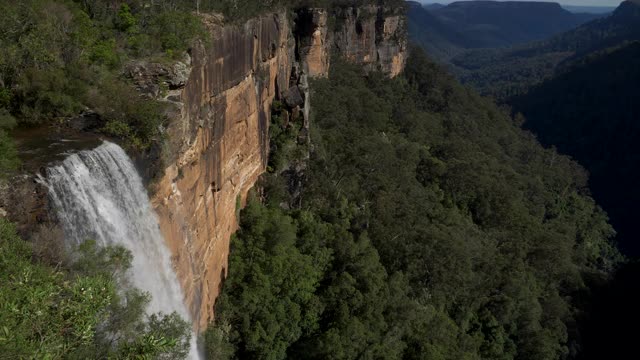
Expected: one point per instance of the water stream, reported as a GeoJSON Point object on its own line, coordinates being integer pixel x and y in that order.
{"type": "Point", "coordinates": [99, 195]}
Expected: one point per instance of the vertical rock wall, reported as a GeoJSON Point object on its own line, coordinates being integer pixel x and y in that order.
{"type": "Point", "coordinates": [220, 142]}
{"type": "Point", "coordinates": [312, 39]}
{"type": "Point", "coordinates": [369, 35]}
{"type": "Point", "coordinates": [218, 138]}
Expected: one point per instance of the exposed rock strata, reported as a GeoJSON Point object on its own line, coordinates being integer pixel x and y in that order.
{"type": "Point", "coordinates": [365, 35]}
{"type": "Point", "coordinates": [220, 143]}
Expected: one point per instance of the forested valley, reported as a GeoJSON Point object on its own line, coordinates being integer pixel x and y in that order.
{"type": "Point", "coordinates": [577, 92]}
{"type": "Point", "coordinates": [419, 222]}
{"type": "Point", "coordinates": [428, 227]}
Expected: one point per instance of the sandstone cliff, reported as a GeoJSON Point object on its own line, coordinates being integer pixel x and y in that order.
{"type": "Point", "coordinates": [369, 35]}
{"type": "Point", "coordinates": [220, 143]}
{"type": "Point", "coordinates": [218, 137]}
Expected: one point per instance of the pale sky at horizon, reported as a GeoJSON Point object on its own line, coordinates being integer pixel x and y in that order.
{"type": "Point", "coordinates": [563, 2]}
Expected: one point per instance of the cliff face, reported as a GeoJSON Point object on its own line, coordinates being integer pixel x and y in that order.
{"type": "Point", "coordinates": [367, 35]}
{"type": "Point", "coordinates": [218, 137]}
{"type": "Point", "coordinates": [220, 144]}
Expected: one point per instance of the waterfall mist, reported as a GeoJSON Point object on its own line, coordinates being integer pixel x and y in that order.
{"type": "Point", "coordinates": [99, 195]}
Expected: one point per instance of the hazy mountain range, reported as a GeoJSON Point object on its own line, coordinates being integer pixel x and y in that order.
{"type": "Point", "coordinates": [594, 9]}
{"type": "Point", "coordinates": [446, 31]}
{"type": "Point", "coordinates": [504, 72]}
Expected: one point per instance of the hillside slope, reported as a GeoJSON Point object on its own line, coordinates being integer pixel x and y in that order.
{"type": "Point", "coordinates": [440, 40]}
{"type": "Point", "coordinates": [497, 24]}
{"type": "Point", "coordinates": [426, 225]}
{"type": "Point", "coordinates": [507, 72]}
{"type": "Point", "coordinates": [445, 31]}
{"type": "Point", "coordinates": [590, 112]}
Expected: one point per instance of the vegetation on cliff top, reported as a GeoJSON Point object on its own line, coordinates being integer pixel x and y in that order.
{"type": "Point", "coordinates": [429, 227]}
{"type": "Point", "coordinates": [61, 57]}
{"type": "Point", "coordinates": [243, 9]}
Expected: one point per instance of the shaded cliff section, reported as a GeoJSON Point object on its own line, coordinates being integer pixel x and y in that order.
{"type": "Point", "coordinates": [217, 141]}
{"type": "Point", "coordinates": [372, 36]}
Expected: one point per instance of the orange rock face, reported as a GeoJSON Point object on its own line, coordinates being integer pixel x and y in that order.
{"type": "Point", "coordinates": [218, 139]}
{"type": "Point", "coordinates": [220, 142]}
{"type": "Point", "coordinates": [317, 53]}
{"type": "Point", "coordinates": [356, 38]}
{"type": "Point", "coordinates": [363, 35]}
{"type": "Point", "coordinates": [392, 46]}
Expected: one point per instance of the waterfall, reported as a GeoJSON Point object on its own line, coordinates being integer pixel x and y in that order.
{"type": "Point", "coordinates": [99, 195]}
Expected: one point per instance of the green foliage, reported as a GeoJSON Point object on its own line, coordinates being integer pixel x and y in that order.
{"type": "Point", "coordinates": [269, 300]}
{"type": "Point", "coordinates": [284, 147]}
{"type": "Point", "coordinates": [75, 311]}
{"type": "Point", "coordinates": [592, 106]}
{"type": "Point", "coordinates": [217, 342]}
{"type": "Point", "coordinates": [43, 314]}
{"type": "Point", "coordinates": [236, 10]}
{"type": "Point", "coordinates": [174, 30]}
{"type": "Point", "coordinates": [8, 153]}
{"type": "Point", "coordinates": [105, 52]}
{"type": "Point", "coordinates": [126, 114]}
{"type": "Point", "coordinates": [61, 57]}
{"type": "Point", "coordinates": [125, 21]}
{"type": "Point", "coordinates": [430, 227]}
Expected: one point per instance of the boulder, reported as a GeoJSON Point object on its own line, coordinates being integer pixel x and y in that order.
{"type": "Point", "coordinates": [293, 97]}
{"type": "Point", "coordinates": [178, 75]}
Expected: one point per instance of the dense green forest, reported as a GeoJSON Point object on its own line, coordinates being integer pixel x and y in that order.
{"type": "Point", "coordinates": [429, 226]}
{"type": "Point", "coordinates": [589, 111]}
{"type": "Point", "coordinates": [421, 223]}
{"type": "Point", "coordinates": [577, 92]}
{"type": "Point", "coordinates": [77, 305]}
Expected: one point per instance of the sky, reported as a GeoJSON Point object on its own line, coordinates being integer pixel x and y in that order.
{"type": "Point", "coordinates": [563, 2]}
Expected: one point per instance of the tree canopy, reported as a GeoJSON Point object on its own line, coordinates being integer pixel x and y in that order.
{"type": "Point", "coordinates": [429, 226]}
{"type": "Point", "coordinates": [78, 306]}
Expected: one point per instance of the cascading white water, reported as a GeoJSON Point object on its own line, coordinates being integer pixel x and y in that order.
{"type": "Point", "coordinates": [99, 195]}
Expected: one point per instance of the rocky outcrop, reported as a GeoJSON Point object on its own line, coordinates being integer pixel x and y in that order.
{"type": "Point", "coordinates": [392, 44]}
{"type": "Point", "coordinates": [312, 38]}
{"type": "Point", "coordinates": [369, 35]}
{"type": "Point", "coordinates": [24, 201]}
{"type": "Point", "coordinates": [217, 141]}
